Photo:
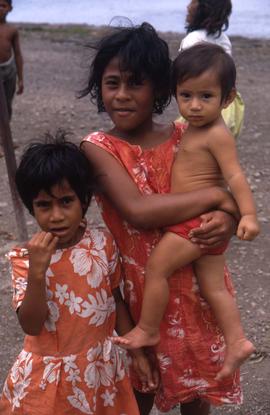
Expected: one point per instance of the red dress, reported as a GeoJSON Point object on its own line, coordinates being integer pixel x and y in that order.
{"type": "Point", "coordinates": [191, 349]}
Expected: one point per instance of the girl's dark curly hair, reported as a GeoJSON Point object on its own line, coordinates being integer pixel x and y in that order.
{"type": "Point", "coordinates": [211, 15]}
{"type": "Point", "coordinates": [140, 51]}
{"type": "Point", "coordinates": [48, 162]}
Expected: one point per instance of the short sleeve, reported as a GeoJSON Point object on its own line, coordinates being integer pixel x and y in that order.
{"type": "Point", "coordinates": [101, 140]}
{"type": "Point", "coordinates": [19, 262]}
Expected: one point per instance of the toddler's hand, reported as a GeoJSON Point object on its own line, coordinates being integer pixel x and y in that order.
{"type": "Point", "coordinates": [248, 228]}
{"type": "Point", "coordinates": [41, 247]}
{"type": "Point", "coordinates": [148, 375]}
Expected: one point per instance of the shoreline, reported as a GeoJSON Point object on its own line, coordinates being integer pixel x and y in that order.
{"type": "Point", "coordinates": [84, 29]}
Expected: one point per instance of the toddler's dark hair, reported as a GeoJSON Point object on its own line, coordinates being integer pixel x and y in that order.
{"type": "Point", "coordinates": [140, 51]}
{"type": "Point", "coordinates": [9, 2]}
{"type": "Point", "coordinates": [50, 161]}
{"type": "Point", "coordinates": [192, 62]}
{"type": "Point", "coordinates": [211, 15]}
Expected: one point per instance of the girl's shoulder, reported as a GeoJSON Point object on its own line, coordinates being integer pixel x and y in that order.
{"type": "Point", "coordinates": [96, 236]}
{"type": "Point", "coordinates": [193, 38]}
{"type": "Point", "coordinates": [103, 140]}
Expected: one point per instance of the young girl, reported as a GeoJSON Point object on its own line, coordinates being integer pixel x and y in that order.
{"type": "Point", "coordinates": [204, 83]}
{"type": "Point", "coordinates": [64, 280]}
{"type": "Point", "coordinates": [129, 79]}
{"type": "Point", "coordinates": [206, 22]}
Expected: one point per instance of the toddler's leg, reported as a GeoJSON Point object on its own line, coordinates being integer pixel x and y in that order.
{"type": "Point", "coordinates": [209, 270]}
{"type": "Point", "coordinates": [171, 253]}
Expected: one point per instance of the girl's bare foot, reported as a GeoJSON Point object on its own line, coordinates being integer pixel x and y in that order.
{"type": "Point", "coordinates": [236, 354]}
{"type": "Point", "coordinates": [137, 338]}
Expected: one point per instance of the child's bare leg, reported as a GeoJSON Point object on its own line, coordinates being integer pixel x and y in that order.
{"type": "Point", "coordinates": [209, 270]}
{"type": "Point", "coordinates": [196, 407]}
{"type": "Point", "coordinates": [170, 254]}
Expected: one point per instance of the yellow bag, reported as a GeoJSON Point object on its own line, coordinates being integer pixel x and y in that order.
{"type": "Point", "coordinates": [233, 115]}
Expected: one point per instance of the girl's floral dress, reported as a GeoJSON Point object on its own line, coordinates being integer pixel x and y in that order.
{"type": "Point", "coordinates": [71, 367]}
{"type": "Point", "coordinates": [191, 349]}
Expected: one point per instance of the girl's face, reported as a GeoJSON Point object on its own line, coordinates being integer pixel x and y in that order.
{"type": "Point", "coordinates": [191, 10]}
{"type": "Point", "coordinates": [128, 103]}
{"type": "Point", "coordinates": [60, 213]}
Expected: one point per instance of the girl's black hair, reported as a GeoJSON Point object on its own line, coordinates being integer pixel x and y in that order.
{"type": "Point", "coordinates": [193, 61]}
{"type": "Point", "coordinates": [49, 162]}
{"type": "Point", "coordinates": [140, 51]}
{"type": "Point", "coordinates": [211, 15]}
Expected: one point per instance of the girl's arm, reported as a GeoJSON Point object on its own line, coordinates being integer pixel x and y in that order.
{"type": "Point", "coordinates": [18, 60]}
{"type": "Point", "coordinates": [148, 376]}
{"type": "Point", "coordinates": [154, 210]}
{"type": "Point", "coordinates": [224, 150]}
{"type": "Point", "coordinates": [34, 309]}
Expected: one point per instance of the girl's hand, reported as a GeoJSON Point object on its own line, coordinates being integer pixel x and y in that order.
{"type": "Point", "coordinates": [148, 375]}
{"type": "Point", "coordinates": [216, 228]}
{"type": "Point", "coordinates": [41, 247]}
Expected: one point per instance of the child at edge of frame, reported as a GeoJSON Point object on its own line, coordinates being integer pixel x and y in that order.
{"type": "Point", "coordinates": [66, 294]}
{"type": "Point", "coordinates": [206, 21]}
{"type": "Point", "coordinates": [129, 80]}
{"type": "Point", "coordinates": [11, 60]}
{"type": "Point", "coordinates": [203, 82]}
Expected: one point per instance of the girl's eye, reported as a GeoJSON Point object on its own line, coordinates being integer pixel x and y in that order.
{"type": "Point", "coordinates": [66, 201]}
{"type": "Point", "coordinates": [111, 83]}
{"type": "Point", "coordinates": [43, 204]}
{"type": "Point", "coordinates": [184, 95]}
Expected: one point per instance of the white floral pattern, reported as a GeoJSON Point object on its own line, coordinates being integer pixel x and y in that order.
{"type": "Point", "coordinates": [190, 338]}
{"type": "Point", "coordinates": [81, 317]}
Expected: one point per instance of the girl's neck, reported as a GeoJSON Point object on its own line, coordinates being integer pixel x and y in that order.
{"type": "Point", "coordinates": [150, 136]}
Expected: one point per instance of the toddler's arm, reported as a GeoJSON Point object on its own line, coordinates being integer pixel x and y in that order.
{"type": "Point", "coordinates": [147, 374]}
{"type": "Point", "coordinates": [33, 310]}
{"type": "Point", "coordinates": [224, 150]}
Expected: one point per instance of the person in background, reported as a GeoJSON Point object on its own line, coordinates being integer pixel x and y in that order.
{"type": "Point", "coordinates": [66, 295]}
{"type": "Point", "coordinates": [206, 21]}
{"type": "Point", "coordinates": [11, 61]}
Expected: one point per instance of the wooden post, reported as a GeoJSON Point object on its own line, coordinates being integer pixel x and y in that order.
{"type": "Point", "coordinates": [10, 159]}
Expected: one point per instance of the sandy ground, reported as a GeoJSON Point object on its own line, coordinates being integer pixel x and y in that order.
{"type": "Point", "coordinates": [55, 67]}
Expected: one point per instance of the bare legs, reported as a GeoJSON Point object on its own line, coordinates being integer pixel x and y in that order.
{"type": "Point", "coordinates": [172, 253]}
{"type": "Point", "coordinates": [146, 401]}
{"type": "Point", "coordinates": [209, 270]}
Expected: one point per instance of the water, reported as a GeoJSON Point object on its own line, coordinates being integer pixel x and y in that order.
{"type": "Point", "coordinates": [250, 18]}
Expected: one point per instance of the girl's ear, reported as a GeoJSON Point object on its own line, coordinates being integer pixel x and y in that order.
{"type": "Point", "coordinates": [229, 98]}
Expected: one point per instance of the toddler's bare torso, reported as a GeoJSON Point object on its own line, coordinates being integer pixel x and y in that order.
{"type": "Point", "coordinates": [194, 166]}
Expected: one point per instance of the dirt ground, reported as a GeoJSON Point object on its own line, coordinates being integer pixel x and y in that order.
{"type": "Point", "coordinates": [55, 67]}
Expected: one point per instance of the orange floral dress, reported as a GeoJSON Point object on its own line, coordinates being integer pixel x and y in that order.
{"type": "Point", "coordinates": [191, 350]}
{"type": "Point", "coordinates": [72, 367]}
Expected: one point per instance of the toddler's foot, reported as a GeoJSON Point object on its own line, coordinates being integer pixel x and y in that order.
{"type": "Point", "coordinates": [137, 338]}
{"type": "Point", "coordinates": [236, 354]}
